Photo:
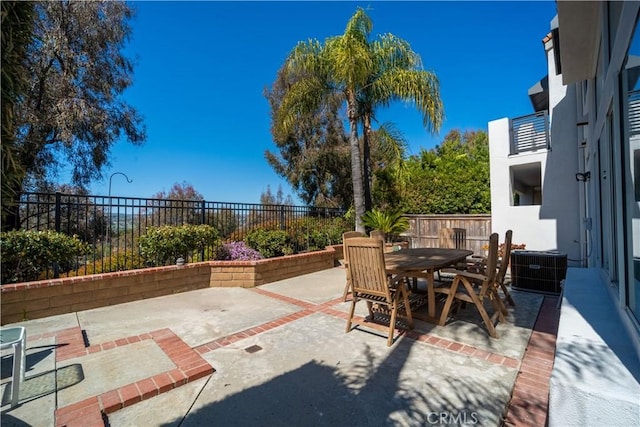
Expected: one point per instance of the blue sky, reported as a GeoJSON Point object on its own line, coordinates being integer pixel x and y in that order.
{"type": "Point", "coordinates": [202, 67]}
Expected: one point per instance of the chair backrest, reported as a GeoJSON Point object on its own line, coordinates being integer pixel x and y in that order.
{"type": "Point", "coordinates": [453, 238]}
{"type": "Point", "coordinates": [506, 256]}
{"type": "Point", "coordinates": [349, 235]}
{"type": "Point", "coordinates": [377, 234]}
{"type": "Point", "coordinates": [366, 267]}
{"type": "Point", "coordinates": [492, 258]}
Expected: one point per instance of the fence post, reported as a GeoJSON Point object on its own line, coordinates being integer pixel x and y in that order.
{"type": "Point", "coordinates": [57, 211]}
{"type": "Point", "coordinates": [203, 221]}
{"type": "Point", "coordinates": [282, 223]}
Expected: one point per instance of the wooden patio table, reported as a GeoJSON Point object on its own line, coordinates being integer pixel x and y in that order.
{"type": "Point", "coordinates": [423, 263]}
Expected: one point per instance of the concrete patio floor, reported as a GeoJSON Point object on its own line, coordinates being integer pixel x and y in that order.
{"type": "Point", "coordinates": [279, 355]}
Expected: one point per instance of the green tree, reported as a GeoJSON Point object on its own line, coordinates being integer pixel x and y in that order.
{"type": "Point", "coordinates": [387, 158]}
{"type": "Point", "coordinates": [267, 197]}
{"type": "Point", "coordinates": [397, 76]}
{"type": "Point", "coordinates": [313, 153]}
{"type": "Point", "coordinates": [340, 66]}
{"type": "Point", "coordinates": [17, 24]}
{"type": "Point", "coordinates": [72, 111]}
{"type": "Point", "coordinates": [452, 178]}
{"type": "Point", "coordinates": [181, 205]}
{"type": "Point", "coordinates": [74, 212]}
{"type": "Point", "coordinates": [365, 75]}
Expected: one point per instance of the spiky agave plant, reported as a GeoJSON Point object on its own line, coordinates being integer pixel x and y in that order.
{"type": "Point", "coordinates": [390, 222]}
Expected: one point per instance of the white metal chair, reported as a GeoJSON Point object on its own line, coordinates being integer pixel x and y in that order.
{"type": "Point", "coordinates": [15, 337]}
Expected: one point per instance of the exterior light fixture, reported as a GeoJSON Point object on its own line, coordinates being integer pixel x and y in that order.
{"type": "Point", "coordinates": [583, 176]}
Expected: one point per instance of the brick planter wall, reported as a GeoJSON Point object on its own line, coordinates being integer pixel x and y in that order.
{"type": "Point", "coordinates": [33, 300]}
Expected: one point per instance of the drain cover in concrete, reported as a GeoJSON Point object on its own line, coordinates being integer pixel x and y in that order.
{"type": "Point", "coordinates": [253, 349]}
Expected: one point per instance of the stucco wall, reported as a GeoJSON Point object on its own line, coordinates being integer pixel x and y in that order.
{"type": "Point", "coordinates": [525, 221]}
{"type": "Point", "coordinates": [555, 223]}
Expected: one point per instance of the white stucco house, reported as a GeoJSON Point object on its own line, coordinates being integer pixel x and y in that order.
{"type": "Point", "coordinates": [567, 178]}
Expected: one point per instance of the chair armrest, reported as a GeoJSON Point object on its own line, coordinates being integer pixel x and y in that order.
{"type": "Point", "coordinates": [470, 275]}
{"type": "Point", "coordinates": [394, 280]}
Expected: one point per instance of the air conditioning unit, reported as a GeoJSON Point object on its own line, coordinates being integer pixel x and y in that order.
{"type": "Point", "coordinates": [538, 271]}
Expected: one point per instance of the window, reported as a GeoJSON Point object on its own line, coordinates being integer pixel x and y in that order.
{"type": "Point", "coordinates": [630, 83]}
{"type": "Point", "coordinates": [526, 184]}
{"type": "Point", "coordinates": [608, 200]}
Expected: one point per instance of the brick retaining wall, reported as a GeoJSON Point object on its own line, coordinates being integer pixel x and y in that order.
{"type": "Point", "coordinates": [33, 300]}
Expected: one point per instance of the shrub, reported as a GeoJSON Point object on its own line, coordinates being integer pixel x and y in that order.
{"type": "Point", "coordinates": [237, 251]}
{"type": "Point", "coordinates": [391, 222]}
{"type": "Point", "coordinates": [311, 234]}
{"type": "Point", "coordinates": [26, 255]}
{"type": "Point", "coordinates": [163, 245]}
{"type": "Point", "coordinates": [120, 261]}
{"type": "Point", "coordinates": [270, 243]}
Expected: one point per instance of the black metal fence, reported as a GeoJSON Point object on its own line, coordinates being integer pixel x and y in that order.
{"type": "Point", "coordinates": [112, 225]}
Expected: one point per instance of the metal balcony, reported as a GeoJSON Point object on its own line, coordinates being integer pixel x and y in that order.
{"type": "Point", "coordinates": [634, 113]}
{"type": "Point", "coordinates": [529, 133]}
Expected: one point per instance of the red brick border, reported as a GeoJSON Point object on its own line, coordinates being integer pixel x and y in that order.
{"type": "Point", "coordinates": [190, 366]}
{"type": "Point", "coordinates": [326, 308]}
{"type": "Point", "coordinates": [530, 398]}
{"type": "Point", "coordinates": [527, 407]}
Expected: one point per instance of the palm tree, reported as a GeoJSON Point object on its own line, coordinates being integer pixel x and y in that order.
{"type": "Point", "coordinates": [366, 75]}
{"type": "Point", "coordinates": [398, 76]}
{"type": "Point", "coordinates": [342, 65]}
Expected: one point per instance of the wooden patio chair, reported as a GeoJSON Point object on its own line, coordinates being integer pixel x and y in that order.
{"type": "Point", "coordinates": [377, 234]}
{"type": "Point", "coordinates": [503, 264]}
{"type": "Point", "coordinates": [348, 235]}
{"type": "Point", "coordinates": [370, 283]}
{"type": "Point", "coordinates": [453, 238]}
{"type": "Point", "coordinates": [477, 264]}
{"type": "Point", "coordinates": [475, 288]}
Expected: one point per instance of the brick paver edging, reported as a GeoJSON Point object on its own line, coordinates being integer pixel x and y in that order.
{"type": "Point", "coordinates": [190, 366]}
{"type": "Point", "coordinates": [326, 308]}
{"type": "Point", "coordinates": [530, 398]}
{"type": "Point", "coordinates": [527, 407]}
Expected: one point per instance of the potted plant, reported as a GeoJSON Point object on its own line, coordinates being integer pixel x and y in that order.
{"type": "Point", "coordinates": [387, 223]}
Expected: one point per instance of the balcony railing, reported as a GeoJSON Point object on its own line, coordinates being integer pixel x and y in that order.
{"type": "Point", "coordinates": [529, 133]}
{"type": "Point", "coordinates": [634, 112]}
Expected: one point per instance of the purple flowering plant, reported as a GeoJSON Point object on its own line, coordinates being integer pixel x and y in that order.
{"type": "Point", "coordinates": [238, 251]}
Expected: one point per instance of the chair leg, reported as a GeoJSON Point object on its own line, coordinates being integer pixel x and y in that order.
{"type": "Point", "coordinates": [483, 313]}
{"type": "Point", "coordinates": [498, 306]}
{"type": "Point", "coordinates": [372, 316]}
{"type": "Point", "coordinates": [18, 371]}
{"type": "Point", "coordinates": [407, 307]}
{"type": "Point", "coordinates": [507, 295]}
{"type": "Point", "coordinates": [447, 305]}
{"type": "Point", "coordinates": [347, 289]}
{"type": "Point", "coordinates": [351, 311]}
{"type": "Point", "coordinates": [498, 303]}
{"type": "Point", "coordinates": [392, 322]}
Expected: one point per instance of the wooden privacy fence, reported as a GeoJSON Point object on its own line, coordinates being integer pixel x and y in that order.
{"type": "Point", "coordinates": [424, 231]}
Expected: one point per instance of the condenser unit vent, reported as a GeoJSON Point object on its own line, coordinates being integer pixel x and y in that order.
{"type": "Point", "coordinates": [538, 271]}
